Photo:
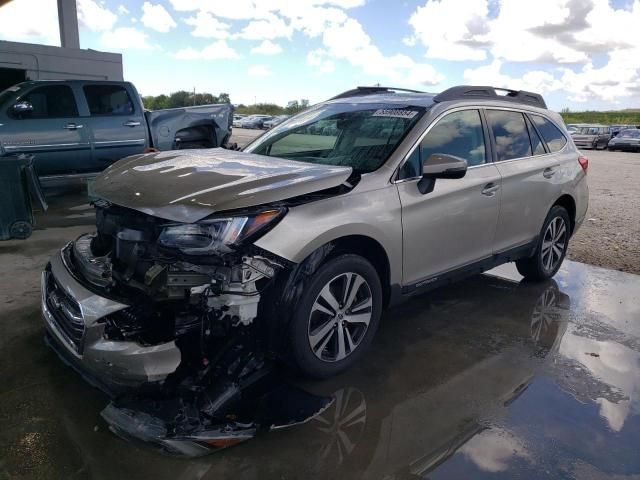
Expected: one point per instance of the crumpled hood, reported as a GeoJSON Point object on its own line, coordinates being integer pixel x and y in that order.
{"type": "Point", "coordinates": [189, 185]}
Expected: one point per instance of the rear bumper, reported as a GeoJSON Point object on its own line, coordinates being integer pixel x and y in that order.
{"type": "Point", "coordinates": [74, 320]}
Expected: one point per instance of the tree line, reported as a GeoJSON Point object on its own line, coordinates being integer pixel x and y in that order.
{"type": "Point", "coordinates": [182, 98]}
{"type": "Point", "coordinates": [621, 117]}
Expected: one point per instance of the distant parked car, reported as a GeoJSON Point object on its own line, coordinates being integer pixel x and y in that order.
{"type": "Point", "coordinates": [628, 139]}
{"type": "Point", "coordinates": [277, 120]}
{"type": "Point", "coordinates": [237, 118]}
{"type": "Point", "coordinates": [616, 129]}
{"type": "Point", "coordinates": [591, 136]}
{"type": "Point", "coordinates": [254, 121]}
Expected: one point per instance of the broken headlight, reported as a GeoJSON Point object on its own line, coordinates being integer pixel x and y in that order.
{"type": "Point", "coordinates": [217, 235]}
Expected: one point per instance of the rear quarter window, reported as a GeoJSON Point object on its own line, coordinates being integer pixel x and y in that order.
{"type": "Point", "coordinates": [551, 134]}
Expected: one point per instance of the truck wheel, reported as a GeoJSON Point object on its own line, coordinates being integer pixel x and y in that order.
{"type": "Point", "coordinates": [337, 316]}
{"type": "Point", "coordinates": [551, 249]}
{"type": "Point", "coordinates": [20, 230]}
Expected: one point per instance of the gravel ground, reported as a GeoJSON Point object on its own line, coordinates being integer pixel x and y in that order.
{"type": "Point", "coordinates": [610, 235]}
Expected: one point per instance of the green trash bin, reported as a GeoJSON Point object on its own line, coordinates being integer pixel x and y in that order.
{"type": "Point", "coordinates": [17, 181]}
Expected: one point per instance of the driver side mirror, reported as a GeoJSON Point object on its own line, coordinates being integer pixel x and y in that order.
{"type": "Point", "coordinates": [22, 107]}
{"type": "Point", "coordinates": [440, 165]}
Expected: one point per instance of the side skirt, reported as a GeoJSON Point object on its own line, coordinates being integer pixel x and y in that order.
{"type": "Point", "coordinates": [451, 276]}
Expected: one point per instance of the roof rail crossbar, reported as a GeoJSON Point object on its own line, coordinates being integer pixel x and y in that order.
{"type": "Point", "coordinates": [360, 91]}
{"type": "Point", "coordinates": [463, 92]}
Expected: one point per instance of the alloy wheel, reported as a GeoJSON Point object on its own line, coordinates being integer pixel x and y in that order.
{"type": "Point", "coordinates": [554, 243]}
{"type": "Point", "coordinates": [340, 317]}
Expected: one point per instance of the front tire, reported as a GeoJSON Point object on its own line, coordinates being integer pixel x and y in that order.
{"type": "Point", "coordinates": [337, 316]}
{"type": "Point", "coordinates": [551, 249]}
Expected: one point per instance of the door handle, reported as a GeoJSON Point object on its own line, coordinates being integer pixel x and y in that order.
{"type": "Point", "coordinates": [72, 126]}
{"type": "Point", "coordinates": [131, 123]}
{"type": "Point", "coordinates": [549, 172]}
{"type": "Point", "coordinates": [490, 189]}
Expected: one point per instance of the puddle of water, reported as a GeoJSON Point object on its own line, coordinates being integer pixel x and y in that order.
{"type": "Point", "coordinates": [490, 378]}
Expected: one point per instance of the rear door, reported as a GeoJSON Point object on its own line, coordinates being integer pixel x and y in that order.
{"type": "Point", "coordinates": [116, 122]}
{"type": "Point", "coordinates": [52, 131]}
{"type": "Point", "coordinates": [530, 172]}
{"type": "Point", "coordinates": [454, 225]}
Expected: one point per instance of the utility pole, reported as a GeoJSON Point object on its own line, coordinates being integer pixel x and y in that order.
{"type": "Point", "coordinates": [194, 96]}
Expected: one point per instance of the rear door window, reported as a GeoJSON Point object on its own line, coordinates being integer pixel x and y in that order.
{"type": "Point", "coordinates": [50, 101]}
{"type": "Point", "coordinates": [510, 134]}
{"type": "Point", "coordinates": [108, 100]}
{"type": "Point", "coordinates": [551, 134]}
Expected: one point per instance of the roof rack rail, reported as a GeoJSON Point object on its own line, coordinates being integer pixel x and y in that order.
{"type": "Point", "coordinates": [463, 92]}
{"type": "Point", "coordinates": [360, 91]}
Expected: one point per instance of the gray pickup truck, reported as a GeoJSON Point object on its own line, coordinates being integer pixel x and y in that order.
{"type": "Point", "coordinates": [78, 126]}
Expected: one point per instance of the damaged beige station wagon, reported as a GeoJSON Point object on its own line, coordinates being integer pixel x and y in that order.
{"type": "Point", "coordinates": [298, 243]}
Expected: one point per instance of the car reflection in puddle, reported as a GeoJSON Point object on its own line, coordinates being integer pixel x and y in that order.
{"type": "Point", "coordinates": [490, 378]}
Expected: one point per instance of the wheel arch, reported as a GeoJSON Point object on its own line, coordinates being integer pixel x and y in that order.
{"type": "Point", "coordinates": [371, 250]}
{"type": "Point", "coordinates": [569, 204]}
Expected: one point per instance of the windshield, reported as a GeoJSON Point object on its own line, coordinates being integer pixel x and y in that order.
{"type": "Point", "coordinates": [361, 136]}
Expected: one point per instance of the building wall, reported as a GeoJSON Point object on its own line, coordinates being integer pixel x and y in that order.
{"type": "Point", "coordinates": [44, 62]}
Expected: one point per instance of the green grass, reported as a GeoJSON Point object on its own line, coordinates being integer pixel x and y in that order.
{"type": "Point", "coordinates": [605, 118]}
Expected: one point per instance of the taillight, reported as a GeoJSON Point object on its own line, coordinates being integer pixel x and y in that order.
{"type": "Point", "coordinates": [584, 162]}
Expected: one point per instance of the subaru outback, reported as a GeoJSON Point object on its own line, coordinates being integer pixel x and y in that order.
{"type": "Point", "coordinates": [303, 238]}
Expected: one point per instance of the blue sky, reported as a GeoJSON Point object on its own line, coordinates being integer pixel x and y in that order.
{"type": "Point", "coordinates": [579, 53]}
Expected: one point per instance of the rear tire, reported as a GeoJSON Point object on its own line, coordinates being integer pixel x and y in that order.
{"type": "Point", "coordinates": [336, 317]}
{"type": "Point", "coordinates": [551, 249]}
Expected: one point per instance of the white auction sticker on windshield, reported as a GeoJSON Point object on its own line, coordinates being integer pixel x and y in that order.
{"type": "Point", "coordinates": [395, 113]}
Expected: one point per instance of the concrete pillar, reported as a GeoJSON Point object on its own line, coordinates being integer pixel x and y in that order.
{"type": "Point", "coordinates": [68, 21]}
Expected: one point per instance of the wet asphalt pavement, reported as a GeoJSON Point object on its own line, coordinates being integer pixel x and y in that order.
{"type": "Point", "coordinates": [490, 378]}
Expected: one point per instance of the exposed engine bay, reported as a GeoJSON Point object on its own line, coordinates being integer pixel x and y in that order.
{"type": "Point", "coordinates": [175, 295]}
{"type": "Point", "coordinates": [226, 387]}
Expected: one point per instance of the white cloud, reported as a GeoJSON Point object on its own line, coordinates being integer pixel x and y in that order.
{"type": "Point", "coordinates": [619, 78]}
{"type": "Point", "coordinates": [207, 26]}
{"type": "Point", "coordinates": [37, 29]}
{"type": "Point", "coordinates": [534, 81]}
{"type": "Point", "coordinates": [450, 29]}
{"type": "Point", "coordinates": [219, 50]}
{"type": "Point", "coordinates": [492, 450]}
{"type": "Point", "coordinates": [259, 71]}
{"type": "Point", "coordinates": [319, 58]}
{"type": "Point", "coordinates": [349, 42]}
{"type": "Point", "coordinates": [271, 26]}
{"type": "Point", "coordinates": [568, 36]}
{"type": "Point", "coordinates": [125, 38]}
{"type": "Point", "coordinates": [156, 17]}
{"type": "Point", "coordinates": [267, 47]}
{"type": "Point", "coordinates": [94, 16]}
{"type": "Point", "coordinates": [122, 10]}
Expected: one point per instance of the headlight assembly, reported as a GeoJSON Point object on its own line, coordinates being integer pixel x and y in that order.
{"type": "Point", "coordinates": [217, 235]}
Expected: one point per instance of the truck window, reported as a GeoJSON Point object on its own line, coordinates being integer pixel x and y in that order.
{"type": "Point", "coordinates": [108, 100]}
{"type": "Point", "coordinates": [50, 101]}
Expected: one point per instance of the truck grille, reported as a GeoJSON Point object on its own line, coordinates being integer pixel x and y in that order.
{"type": "Point", "coordinates": [65, 312]}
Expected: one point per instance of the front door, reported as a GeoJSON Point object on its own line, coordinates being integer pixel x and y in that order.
{"type": "Point", "coordinates": [453, 225]}
{"type": "Point", "coordinates": [52, 131]}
